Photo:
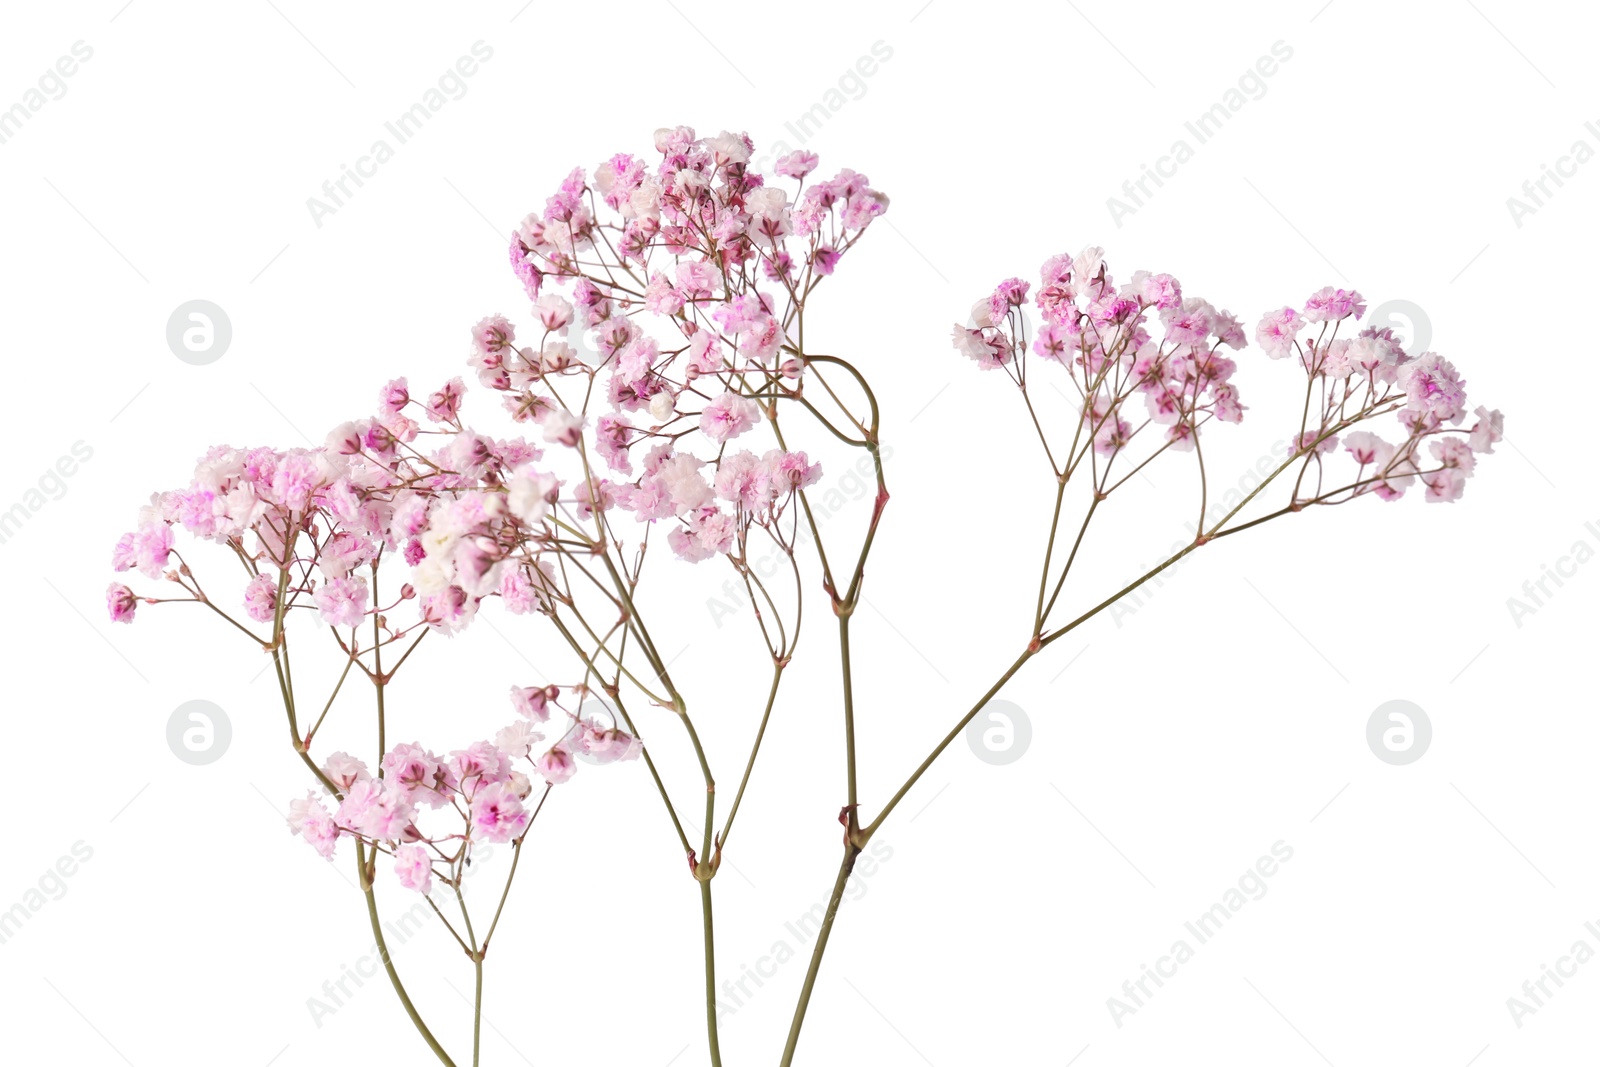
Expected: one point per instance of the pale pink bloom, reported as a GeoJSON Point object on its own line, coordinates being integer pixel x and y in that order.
{"type": "Point", "coordinates": [413, 868]}
{"type": "Point", "coordinates": [790, 470]}
{"type": "Point", "coordinates": [120, 602]}
{"type": "Point", "coordinates": [1112, 436]}
{"type": "Point", "coordinates": [1454, 453]}
{"type": "Point", "coordinates": [554, 312]}
{"type": "Point", "coordinates": [533, 702]}
{"type": "Point", "coordinates": [556, 765]}
{"type": "Point", "coordinates": [709, 531]}
{"type": "Point", "coordinates": [147, 548]}
{"type": "Point", "coordinates": [762, 340]}
{"type": "Point", "coordinates": [311, 820]}
{"type": "Point", "coordinates": [261, 598]}
{"type": "Point", "coordinates": [743, 479]}
{"type": "Point", "coordinates": [729, 148]}
{"type": "Point", "coordinates": [393, 397]}
{"type": "Point", "coordinates": [561, 427]}
{"type": "Point", "coordinates": [449, 610]}
{"type": "Point", "coordinates": [343, 552]}
{"type": "Point", "coordinates": [342, 601]}
{"type": "Point", "coordinates": [796, 164]}
{"type": "Point", "coordinates": [1368, 448]}
{"type": "Point", "coordinates": [1489, 428]}
{"type": "Point", "coordinates": [530, 494]}
{"type": "Point", "coordinates": [685, 485]}
{"type": "Point", "coordinates": [518, 592]}
{"type": "Point", "coordinates": [445, 405]}
{"type": "Point", "coordinates": [1329, 304]}
{"type": "Point", "coordinates": [476, 765]}
{"type": "Point", "coordinates": [988, 352]}
{"type": "Point", "coordinates": [1434, 390]}
{"type": "Point", "coordinates": [1444, 486]}
{"type": "Point", "coordinates": [728, 416]}
{"type": "Point", "coordinates": [1276, 331]}
{"type": "Point", "coordinates": [418, 771]}
{"type": "Point", "coordinates": [517, 740]}
{"type": "Point", "coordinates": [344, 770]}
{"type": "Point", "coordinates": [492, 337]}
{"type": "Point", "coordinates": [1308, 441]}
{"type": "Point", "coordinates": [609, 745]}
{"type": "Point", "coordinates": [697, 279]}
{"type": "Point", "coordinates": [1161, 291]}
{"type": "Point", "coordinates": [497, 813]}
{"type": "Point", "coordinates": [1189, 323]}
{"type": "Point", "coordinates": [376, 808]}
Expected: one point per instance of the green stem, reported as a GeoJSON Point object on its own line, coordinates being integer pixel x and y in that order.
{"type": "Point", "coordinates": [388, 963]}
{"type": "Point", "coordinates": [848, 865]}
{"type": "Point", "coordinates": [711, 974]}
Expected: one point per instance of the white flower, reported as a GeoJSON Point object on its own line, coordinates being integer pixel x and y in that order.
{"type": "Point", "coordinates": [766, 203]}
{"type": "Point", "coordinates": [661, 406]}
{"type": "Point", "coordinates": [561, 427]}
{"type": "Point", "coordinates": [529, 494]}
{"type": "Point", "coordinates": [729, 147]}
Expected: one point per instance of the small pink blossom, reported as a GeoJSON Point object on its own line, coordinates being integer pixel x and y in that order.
{"type": "Point", "coordinates": [261, 598]}
{"type": "Point", "coordinates": [342, 601]}
{"type": "Point", "coordinates": [497, 813]}
{"type": "Point", "coordinates": [120, 602]}
{"type": "Point", "coordinates": [311, 820]}
{"type": "Point", "coordinates": [413, 868]}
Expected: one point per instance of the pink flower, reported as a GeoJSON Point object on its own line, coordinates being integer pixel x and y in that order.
{"type": "Point", "coordinates": [376, 808]}
{"type": "Point", "coordinates": [709, 531]}
{"type": "Point", "coordinates": [790, 470]}
{"type": "Point", "coordinates": [728, 416]}
{"type": "Point", "coordinates": [344, 770]}
{"type": "Point", "coordinates": [477, 765]}
{"type": "Point", "coordinates": [497, 813]}
{"type": "Point", "coordinates": [554, 312]}
{"type": "Point", "coordinates": [609, 745]}
{"type": "Point", "coordinates": [1489, 428]}
{"type": "Point", "coordinates": [796, 164]}
{"type": "Point", "coordinates": [261, 598]}
{"type": "Point", "coordinates": [533, 702]}
{"type": "Point", "coordinates": [1329, 305]}
{"type": "Point", "coordinates": [310, 819]}
{"type": "Point", "coordinates": [413, 868]}
{"type": "Point", "coordinates": [1368, 449]}
{"type": "Point", "coordinates": [1276, 331]}
{"type": "Point", "coordinates": [517, 739]}
{"type": "Point", "coordinates": [342, 601]}
{"type": "Point", "coordinates": [1435, 393]}
{"type": "Point", "coordinates": [556, 765]}
{"type": "Point", "coordinates": [146, 548]}
{"type": "Point", "coordinates": [393, 397]}
{"type": "Point", "coordinates": [417, 771]}
{"type": "Point", "coordinates": [561, 427]}
{"type": "Point", "coordinates": [445, 405]}
{"type": "Point", "coordinates": [120, 602]}
{"type": "Point", "coordinates": [492, 338]}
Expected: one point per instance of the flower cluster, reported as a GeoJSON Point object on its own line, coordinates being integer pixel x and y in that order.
{"type": "Point", "coordinates": [1141, 355]}
{"type": "Point", "coordinates": [481, 791]}
{"type": "Point", "coordinates": [1140, 345]}
{"type": "Point", "coordinates": [666, 307]}
{"type": "Point", "coordinates": [1370, 372]}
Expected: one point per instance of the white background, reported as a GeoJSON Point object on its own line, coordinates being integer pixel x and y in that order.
{"type": "Point", "coordinates": [1226, 714]}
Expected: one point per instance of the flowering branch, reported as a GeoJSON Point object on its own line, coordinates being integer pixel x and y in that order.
{"type": "Point", "coordinates": [669, 301]}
